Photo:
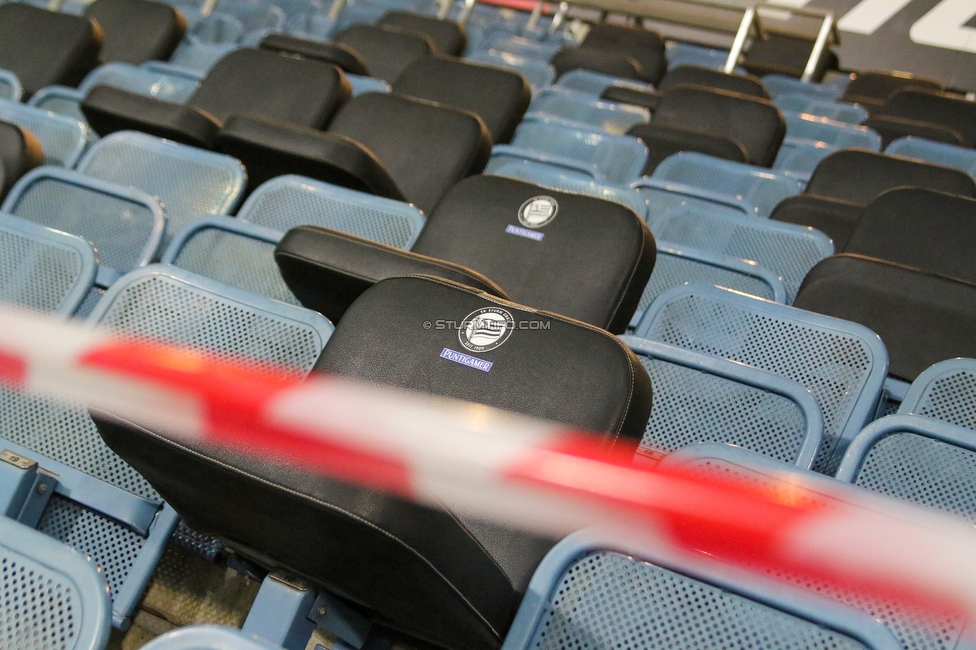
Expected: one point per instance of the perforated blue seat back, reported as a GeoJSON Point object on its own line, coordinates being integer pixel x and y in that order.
{"type": "Point", "coordinates": [837, 134]}
{"type": "Point", "coordinates": [10, 87]}
{"type": "Point", "coordinates": [286, 202]}
{"type": "Point", "coordinates": [140, 80]}
{"type": "Point", "coordinates": [594, 83]}
{"type": "Point", "coordinates": [62, 138]}
{"type": "Point", "coordinates": [946, 391]}
{"type": "Point", "coordinates": [663, 196]}
{"type": "Point", "coordinates": [538, 74]}
{"type": "Point", "coordinates": [208, 637]}
{"type": "Point", "coordinates": [585, 109]}
{"type": "Point", "coordinates": [802, 156]}
{"type": "Point", "coordinates": [688, 54]}
{"type": "Point", "coordinates": [199, 57]}
{"type": "Point", "coordinates": [619, 158]}
{"type": "Point", "coordinates": [839, 111]}
{"type": "Point", "coordinates": [960, 158]}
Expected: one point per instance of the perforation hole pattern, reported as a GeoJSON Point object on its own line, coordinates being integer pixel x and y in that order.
{"type": "Point", "coordinates": [692, 406]}
{"type": "Point", "coordinates": [673, 271]}
{"type": "Point", "coordinates": [38, 609]}
{"type": "Point", "coordinates": [61, 140]}
{"type": "Point", "coordinates": [608, 600]}
{"type": "Point", "coordinates": [951, 398]}
{"type": "Point", "coordinates": [831, 365]}
{"type": "Point", "coordinates": [36, 274]}
{"type": "Point", "coordinates": [616, 156]}
{"type": "Point", "coordinates": [660, 201]}
{"type": "Point", "coordinates": [289, 205]}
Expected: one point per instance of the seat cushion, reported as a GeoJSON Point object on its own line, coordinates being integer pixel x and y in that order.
{"type": "Point", "coordinates": [447, 36]}
{"type": "Point", "coordinates": [744, 84]}
{"type": "Point", "coordinates": [663, 140]}
{"type": "Point", "coordinates": [786, 55]}
{"type": "Point", "coordinates": [327, 270]}
{"type": "Point", "coordinates": [20, 152]}
{"type": "Point", "coordinates": [298, 91]}
{"type": "Point", "coordinates": [892, 128]}
{"type": "Point", "coordinates": [137, 31]}
{"type": "Point", "coordinates": [860, 176]}
{"type": "Point", "coordinates": [755, 124]}
{"type": "Point", "coordinates": [873, 88]}
{"type": "Point", "coordinates": [946, 109]}
{"type": "Point", "coordinates": [574, 255]}
{"type": "Point", "coordinates": [499, 97]}
{"type": "Point", "coordinates": [833, 217]}
{"type": "Point", "coordinates": [335, 53]}
{"type": "Point", "coordinates": [586, 58]}
{"type": "Point", "coordinates": [644, 46]}
{"type": "Point", "coordinates": [385, 50]}
{"type": "Point", "coordinates": [922, 317]}
{"type": "Point", "coordinates": [426, 148]}
{"type": "Point", "coordinates": [109, 109]}
{"type": "Point", "coordinates": [44, 48]}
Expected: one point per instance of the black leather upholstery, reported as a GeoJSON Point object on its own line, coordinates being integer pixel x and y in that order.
{"type": "Point", "coordinates": [137, 31]}
{"type": "Point", "coordinates": [833, 217]}
{"type": "Point", "coordinates": [744, 84]}
{"type": "Point", "coordinates": [20, 152]}
{"type": "Point", "coordinates": [385, 50]}
{"type": "Point", "coordinates": [424, 147]}
{"type": "Point", "coordinates": [335, 53]}
{"type": "Point", "coordinates": [872, 88]}
{"type": "Point", "coordinates": [327, 270]}
{"type": "Point", "coordinates": [923, 318]}
{"type": "Point", "coordinates": [755, 124]}
{"type": "Point", "coordinates": [587, 58]}
{"type": "Point", "coordinates": [664, 140]}
{"type": "Point", "coordinates": [892, 128]}
{"type": "Point", "coordinates": [940, 108]}
{"type": "Point", "coordinates": [44, 48]}
{"type": "Point", "coordinates": [447, 36]}
{"type": "Point", "coordinates": [786, 55]}
{"type": "Point", "coordinates": [642, 45]}
{"type": "Point", "coordinates": [109, 109]}
{"type": "Point", "coordinates": [632, 96]}
{"type": "Point", "coordinates": [590, 262]}
{"type": "Point", "coordinates": [498, 96]}
{"type": "Point", "coordinates": [445, 578]}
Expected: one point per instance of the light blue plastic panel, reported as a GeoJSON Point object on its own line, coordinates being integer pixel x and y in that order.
{"type": "Point", "coordinates": [199, 57]}
{"type": "Point", "coordinates": [917, 459]}
{"type": "Point", "coordinates": [945, 391]}
{"type": "Point", "coordinates": [503, 155]}
{"type": "Point", "coordinates": [677, 266]}
{"type": "Point", "coordinates": [287, 202]}
{"type": "Point", "coordinates": [782, 85]}
{"type": "Point", "coordinates": [564, 180]}
{"type": "Point", "coordinates": [63, 139]}
{"type": "Point", "coordinates": [186, 181]}
{"type": "Point", "coordinates": [61, 100]}
{"type": "Point", "coordinates": [837, 134]}
{"type": "Point", "coordinates": [522, 46]}
{"type": "Point", "coordinates": [801, 156]}
{"type": "Point", "coordinates": [10, 87]}
{"type": "Point", "coordinates": [788, 250]}
{"type": "Point", "coordinates": [362, 84]}
{"type": "Point", "coordinates": [538, 74]}
{"type": "Point", "coordinates": [592, 592]}
{"type": "Point", "coordinates": [938, 153]}
{"type": "Point", "coordinates": [43, 269]}
{"type": "Point", "coordinates": [699, 398]}
{"type": "Point", "coordinates": [167, 68]}
{"type": "Point", "coordinates": [664, 196]}
{"type": "Point", "coordinates": [54, 597]}
{"type": "Point", "coordinates": [237, 21]}
{"type": "Point", "coordinates": [617, 158]}
{"type": "Point", "coordinates": [314, 25]}
{"type": "Point", "coordinates": [699, 55]}
{"type": "Point", "coordinates": [124, 224]}
{"type": "Point", "coordinates": [216, 29]}
{"type": "Point", "coordinates": [594, 83]}
{"type": "Point", "coordinates": [842, 364]}
{"type": "Point", "coordinates": [208, 637]}
{"type": "Point", "coordinates": [234, 252]}
{"type": "Point", "coordinates": [583, 110]}
{"type": "Point", "coordinates": [839, 111]}
{"type": "Point", "coordinates": [759, 186]}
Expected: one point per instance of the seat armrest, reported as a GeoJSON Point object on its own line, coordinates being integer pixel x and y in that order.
{"type": "Point", "coordinates": [110, 109]}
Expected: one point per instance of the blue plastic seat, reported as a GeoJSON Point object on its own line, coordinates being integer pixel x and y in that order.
{"type": "Point", "coordinates": [961, 158]}
{"type": "Point", "coordinates": [687, 54]}
{"type": "Point", "coordinates": [841, 363]}
{"type": "Point", "coordinates": [539, 74]}
{"type": "Point", "coordinates": [838, 111]}
{"type": "Point", "coordinates": [520, 45]}
{"type": "Point", "coordinates": [800, 156]}
{"type": "Point", "coordinates": [10, 88]}
{"type": "Point", "coordinates": [208, 637]}
{"type": "Point", "coordinates": [53, 596]}
{"type": "Point", "coordinates": [945, 391]}
{"type": "Point", "coordinates": [837, 134]}
{"type": "Point", "coordinates": [63, 139]}
{"type": "Point", "coordinates": [582, 110]}
{"type": "Point", "coordinates": [199, 57]}
{"type": "Point", "coordinates": [594, 83]}
{"type": "Point", "coordinates": [286, 202]}
{"type": "Point", "coordinates": [782, 85]}
{"type": "Point", "coordinates": [663, 196]}
{"type": "Point", "coordinates": [44, 269]}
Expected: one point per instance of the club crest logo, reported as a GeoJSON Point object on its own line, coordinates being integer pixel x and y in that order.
{"type": "Point", "coordinates": [538, 211]}
{"type": "Point", "coordinates": [486, 329]}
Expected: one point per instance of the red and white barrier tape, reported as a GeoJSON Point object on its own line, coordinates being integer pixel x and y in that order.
{"type": "Point", "coordinates": [515, 470]}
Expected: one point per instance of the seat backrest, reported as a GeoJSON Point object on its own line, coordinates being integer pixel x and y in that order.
{"type": "Point", "coordinates": [936, 153]}
{"type": "Point", "coordinates": [946, 109]}
{"type": "Point", "coordinates": [137, 31]}
{"type": "Point", "coordinates": [861, 176]}
{"type": "Point", "coordinates": [874, 88]}
{"type": "Point", "coordinates": [605, 63]}
{"type": "Point", "coordinates": [784, 54]}
{"type": "Point", "coordinates": [337, 54]}
{"type": "Point", "coordinates": [836, 134]}
{"type": "Point", "coordinates": [743, 84]}
{"type": "Point", "coordinates": [757, 125]}
{"type": "Point", "coordinates": [385, 50]}
{"type": "Point", "coordinates": [20, 152]}
{"type": "Point", "coordinates": [892, 128]}
{"type": "Point", "coordinates": [499, 97]}
{"type": "Point", "coordinates": [447, 36]}
{"type": "Point", "coordinates": [643, 45]}
{"type": "Point", "coordinates": [800, 103]}
{"type": "Point", "coordinates": [573, 255]}
{"type": "Point", "coordinates": [561, 103]}
{"type": "Point", "coordinates": [62, 139]}
{"type": "Point", "coordinates": [945, 391]}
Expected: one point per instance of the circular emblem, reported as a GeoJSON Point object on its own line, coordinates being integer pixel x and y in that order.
{"type": "Point", "coordinates": [538, 211]}
{"type": "Point", "coordinates": [486, 329]}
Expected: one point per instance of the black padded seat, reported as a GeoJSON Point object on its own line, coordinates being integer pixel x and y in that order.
{"type": "Point", "coordinates": [334, 53]}
{"type": "Point", "coordinates": [587, 58]}
{"type": "Point", "coordinates": [755, 124]}
{"type": "Point", "coordinates": [137, 31]}
{"type": "Point", "coordinates": [327, 270]}
{"type": "Point", "coordinates": [499, 97]}
{"type": "Point", "coordinates": [664, 140]}
{"type": "Point", "coordinates": [939, 108]}
{"type": "Point", "coordinates": [922, 317]}
{"type": "Point", "coordinates": [892, 128]}
{"type": "Point", "coordinates": [387, 51]}
{"type": "Point", "coordinates": [643, 45]}
{"type": "Point", "coordinates": [744, 84]}
{"type": "Point", "coordinates": [441, 576]}
{"type": "Point", "coordinates": [872, 88]}
{"type": "Point", "coordinates": [927, 230]}
{"type": "Point", "coordinates": [833, 217]}
{"type": "Point", "coordinates": [297, 91]}
{"type": "Point", "coordinates": [624, 95]}
{"type": "Point", "coordinates": [44, 48]}
{"type": "Point", "coordinates": [20, 152]}
{"type": "Point", "coordinates": [786, 55]}
{"type": "Point", "coordinates": [447, 36]}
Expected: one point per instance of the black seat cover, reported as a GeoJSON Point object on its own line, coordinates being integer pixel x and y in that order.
{"type": "Point", "coordinates": [644, 46]}
{"type": "Point", "coordinates": [755, 124]}
{"type": "Point", "coordinates": [787, 55]}
{"type": "Point", "coordinates": [588, 58]}
{"type": "Point", "coordinates": [625, 95]}
{"type": "Point", "coordinates": [335, 53]}
{"type": "Point", "coordinates": [941, 108]}
{"type": "Point", "coordinates": [892, 128]}
{"type": "Point", "coordinates": [920, 228]}
{"type": "Point", "coordinates": [425, 147]}
{"type": "Point", "coordinates": [499, 97]}
{"type": "Point", "coordinates": [447, 36]}
{"type": "Point", "coordinates": [923, 318]}
{"type": "Point", "coordinates": [20, 152]}
{"type": "Point", "coordinates": [449, 579]}
{"type": "Point", "coordinates": [44, 48]}
{"type": "Point", "coordinates": [327, 270]}
{"type": "Point", "coordinates": [833, 217]}
{"type": "Point", "coordinates": [873, 88]}
{"type": "Point", "coordinates": [385, 50]}
{"type": "Point", "coordinates": [744, 84]}
{"type": "Point", "coordinates": [137, 31]}
{"type": "Point", "coordinates": [589, 261]}
{"type": "Point", "coordinates": [664, 140]}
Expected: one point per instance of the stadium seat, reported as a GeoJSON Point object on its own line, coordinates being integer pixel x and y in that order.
{"type": "Point", "coordinates": [945, 391]}
{"type": "Point", "coordinates": [783, 54]}
{"type": "Point", "coordinates": [834, 133]}
{"type": "Point", "coordinates": [448, 37]}
{"type": "Point", "coordinates": [942, 109]}
{"type": "Point", "coordinates": [607, 63]}
{"type": "Point", "coordinates": [385, 51]}
{"type": "Point", "coordinates": [839, 111]}
{"type": "Point", "coordinates": [63, 140]}
{"type": "Point", "coordinates": [335, 53]}
{"type": "Point", "coordinates": [578, 108]}
{"type": "Point", "coordinates": [644, 46]}
{"type": "Point", "coordinates": [136, 31]}
{"type": "Point", "coordinates": [742, 84]}
{"type": "Point", "coordinates": [872, 89]}
{"type": "Point", "coordinates": [20, 152]}
{"type": "Point", "coordinates": [893, 128]}
{"type": "Point", "coordinates": [937, 153]}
